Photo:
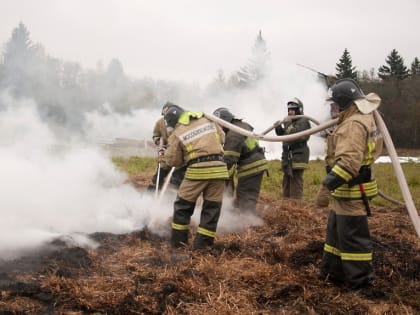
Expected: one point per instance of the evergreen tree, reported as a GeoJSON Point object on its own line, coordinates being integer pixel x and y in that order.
{"type": "Point", "coordinates": [395, 68]}
{"type": "Point", "coordinates": [258, 66]}
{"type": "Point", "coordinates": [415, 68]}
{"type": "Point", "coordinates": [17, 59]}
{"type": "Point", "coordinates": [345, 68]}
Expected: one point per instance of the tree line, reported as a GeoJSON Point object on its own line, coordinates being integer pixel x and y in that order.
{"type": "Point", "coordinates": [64, 91]}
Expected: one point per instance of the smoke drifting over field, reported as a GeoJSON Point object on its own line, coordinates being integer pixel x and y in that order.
{"type": "Point", "coordinates": [68, 187]}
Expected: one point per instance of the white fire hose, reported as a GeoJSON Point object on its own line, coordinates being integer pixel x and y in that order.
{"type": "Point", "coordinates": [382, 127]}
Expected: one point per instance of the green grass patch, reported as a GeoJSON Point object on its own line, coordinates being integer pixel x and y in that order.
{"type": "Point", "coordinates": [135, 165]}
{"type": "Point", "coordinates": [313, 176]}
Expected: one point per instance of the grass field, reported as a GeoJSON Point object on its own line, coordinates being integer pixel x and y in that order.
{"type": "Point", "coordinates": [313, 176]}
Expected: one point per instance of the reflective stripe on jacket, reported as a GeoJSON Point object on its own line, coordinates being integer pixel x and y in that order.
{"type": "Point", "coordinates": [196, 137]}
{"type": "Point", "coordinates": [356, 142]}
{"type": "Point", "coordinates": [243, 154]}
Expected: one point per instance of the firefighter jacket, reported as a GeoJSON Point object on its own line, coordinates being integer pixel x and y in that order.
{"type": "Point", "coordinates": [159, 132]}
{"type": "Point", "coordinates": [356, 144]}
{"type": "Point", "coordinates": [197, 143]}
{"type": "Point", "coordinates": [242, 153]}
{"type": "Point", "coordinates": [295, 153]}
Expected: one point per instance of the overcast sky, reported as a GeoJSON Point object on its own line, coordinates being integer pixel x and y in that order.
{"type": "Point", "coordinates": [191, 39]}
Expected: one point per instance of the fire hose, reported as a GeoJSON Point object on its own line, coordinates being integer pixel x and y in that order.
{"type": "Point", "coordinates": [381, 126]}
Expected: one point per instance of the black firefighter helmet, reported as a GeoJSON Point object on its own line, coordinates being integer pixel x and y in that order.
{"type": "Point", "coordinates": [344, 92]}
{"type": "Point", "coordinates": [296, 104]}
{"type": "Point", "coordinates": [167, 105]}
{"type": "Point", "coordinates": [223, 113]}
{"type": "Point", "coordinates": [172, 114]}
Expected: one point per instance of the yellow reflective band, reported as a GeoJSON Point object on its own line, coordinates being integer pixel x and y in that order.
{"type": "Point", "coordinates": [356, 256]}
{"type": "Point", "coordinates": [206, 232]}
{"type": "Point", "coordinates": [299, 166]}
{"type": "Point", "coordinates": [353, 193]}
{"type": "Point", "coordinates": [232, 170]}
{"type": "Point", "coordinates": [251, 143]}
{"type": "Point", "coordinates": [252, 168]}
{"type": "Point", "coordinates": [191, 154]}
{"type": "Point", "coordinates": [347, 256]}
{"type": "Point", "coordinates": [332, 250]}
{"type": "Point", "coordinates": [232, 153]}
{"type": "Point", "coordinates": [369, 157]}
{"type": "Point", "coordinates": [203, 173]}
{"type": "Point", "coordinates": [185, 117]}
{"type": "Point", "coordinates": [180, 227]}
{"type": "Point", "coordinates": [337, 169]}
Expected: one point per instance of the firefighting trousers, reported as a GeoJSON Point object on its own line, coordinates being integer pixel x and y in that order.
{"type": "Point", "coordinates": [293, 185]}
{"type": "Point", "coordinates": [188, 193]}
{"type": "Point", "coordinates": [247, 192]}
{"type": "Point", "coordinates": [348, 250]}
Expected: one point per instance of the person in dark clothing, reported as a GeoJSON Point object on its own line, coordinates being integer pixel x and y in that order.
{"type": "Point", "coordinates": [246, 163]}
{"type": "Point", "coordinates": [295, 155]}
{"type": "Point", "coordinates": [355, 144]}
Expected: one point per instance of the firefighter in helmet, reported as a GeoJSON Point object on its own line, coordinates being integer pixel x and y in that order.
{"type": "Point", "coordinates": [197, 143]}
{"type": "Point", "coordinates": [160, 139]}
{"type": "Point", "coordinates": [356, 143]}
{"type": "Point", "coordinates": [295, 155]}
{"type": "Point", "coordinates": [245, 160]}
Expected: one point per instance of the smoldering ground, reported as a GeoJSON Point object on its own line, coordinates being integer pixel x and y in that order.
{"type": "Point", "coordinates": [54, 185]}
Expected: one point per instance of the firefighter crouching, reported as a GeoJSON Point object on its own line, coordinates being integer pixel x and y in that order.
{"type": "Point", "coordinates": [356, 143]}
{"type": "Point", "coordinates": [245, 159]}
{"type": "Point", "coordinates": [196, 142]}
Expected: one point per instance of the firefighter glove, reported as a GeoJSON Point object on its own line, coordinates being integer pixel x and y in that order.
{"type": "Point", "coordinates": [333, 181]}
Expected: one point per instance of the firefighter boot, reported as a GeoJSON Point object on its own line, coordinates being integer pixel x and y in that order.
{"type": "Point", "coordinates": [206, 231]}
{"type": "Point", "coordinates": [183, 210]}
{"type": "Point", "coordinates": [179, 238]}
{"type": "Point", "coordinates": [202, 241]}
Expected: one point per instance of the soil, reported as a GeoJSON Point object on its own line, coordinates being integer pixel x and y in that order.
{"type": "Point", "coordinates": [269, 269]}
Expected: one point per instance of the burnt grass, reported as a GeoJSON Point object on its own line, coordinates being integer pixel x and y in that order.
{"type": "Point", "coordinates": [269, 269]}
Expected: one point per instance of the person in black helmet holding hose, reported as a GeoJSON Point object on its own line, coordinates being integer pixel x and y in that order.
{"type": "Point", "coordinates": [246, 163]}
{"type": "Point", "coordinates": [197, 143]}
{"type": "Point", "coordinates": [356, 143]}
{"type": "Point", "coordinates": [295, 155]}
{"type": "Point", "coordinates": [160, 139]}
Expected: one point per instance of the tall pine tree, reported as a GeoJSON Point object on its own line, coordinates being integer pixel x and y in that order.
{"type": "Point", "coordinates": [415, 68]}
{"type": "Point", "coordinates": [345, 68]}
{"type": "Point", "coordinates": [17, 59]}
{"type": "Point", "coordinates": [257, 67]}
{"type": "Point", "coordinates": [395, 68]}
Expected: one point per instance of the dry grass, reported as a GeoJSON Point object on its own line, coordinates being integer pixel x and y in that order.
{"type": "Point", "coordinates": [270, 269]}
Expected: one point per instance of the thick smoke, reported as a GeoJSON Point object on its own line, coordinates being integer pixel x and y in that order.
{"type": "Point", "coordinates": [55, 187]}
{"type": "Point", "coordinates": [52, 189]}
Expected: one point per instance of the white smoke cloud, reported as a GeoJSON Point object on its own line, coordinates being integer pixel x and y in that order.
{"type": "Point", "coordinates": [53, 189]}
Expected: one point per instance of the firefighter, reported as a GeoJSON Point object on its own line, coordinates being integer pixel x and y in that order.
{"type": "Point", "coordinates": [295, 155]}
{"type": "Point", "coordinates": [160, 138]}
{"type": "Point", "coordinates": [196, 142]}
{"type": "Point", "coordinates": [245, 161]}
{"type": "Point", "coordinates": [356, 143]}
{"type": "Point", "coordinates": [323, 195]}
